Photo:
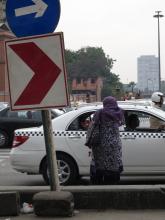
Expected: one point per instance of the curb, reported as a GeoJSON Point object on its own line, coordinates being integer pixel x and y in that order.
{"type": "Point", "coordinates": [10, 204]}
{"type": "Point", "coordinates": [103, 197]}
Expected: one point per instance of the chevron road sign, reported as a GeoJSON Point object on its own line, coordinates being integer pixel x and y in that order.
{"type": "Point", "coordinates": [36, 72]}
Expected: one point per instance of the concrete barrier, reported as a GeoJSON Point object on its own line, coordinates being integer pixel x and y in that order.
{"type": "Point", "coordinates": [104, 197]}
{"type": "Point", "coordinates": [9, 203]}
{"type": "Point", "coordinates": [53, 203]}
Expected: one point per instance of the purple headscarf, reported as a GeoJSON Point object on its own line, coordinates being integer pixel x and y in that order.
{"type": "Point", "coordinates": [110, 111]}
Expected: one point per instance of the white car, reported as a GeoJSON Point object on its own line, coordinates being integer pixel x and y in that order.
{"type": "Point", "coordinates": [143, 147]}
{"type": "Point", "coordinates": [3, 105]}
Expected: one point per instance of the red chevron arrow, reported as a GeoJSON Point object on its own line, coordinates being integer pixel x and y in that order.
{"type": "Point", "coordinates": [46, 73]}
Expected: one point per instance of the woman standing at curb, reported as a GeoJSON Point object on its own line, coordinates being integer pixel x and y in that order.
{"type": "Point", "coordinates": [107, 156]}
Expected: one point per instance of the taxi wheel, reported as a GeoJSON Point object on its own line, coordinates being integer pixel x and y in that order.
{"type": "Point", "coordinates": [4, 139]}
{"type": "Point", "coordinates": [67, 170]}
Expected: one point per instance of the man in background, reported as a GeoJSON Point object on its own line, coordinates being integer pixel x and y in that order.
{"type": "Point", "coordinates": [157, 100]}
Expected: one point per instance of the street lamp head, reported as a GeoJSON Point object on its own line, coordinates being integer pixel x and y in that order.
{"type": "Point", "coordinates": [158, 12]}
{"type": "Point", "coordinates": [158, 16]}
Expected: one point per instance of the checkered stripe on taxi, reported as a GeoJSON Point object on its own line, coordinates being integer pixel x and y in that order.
{"type": "Point", "coordinates": [55, 133]}
{"type": "Point", "coordinates": [141, 135]}
{"type": "Point", "coordinates": [83, 133]}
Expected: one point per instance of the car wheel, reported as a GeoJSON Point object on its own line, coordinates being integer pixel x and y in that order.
{"type": "Point", "coordinates": [4, 139]}
{"type": "Point", "coordinates": [67, 170]}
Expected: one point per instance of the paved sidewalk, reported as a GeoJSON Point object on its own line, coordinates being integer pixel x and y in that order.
{"type": "Point", "coordinates": [98, 215]}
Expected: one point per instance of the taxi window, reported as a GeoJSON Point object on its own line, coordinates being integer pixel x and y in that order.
{"type": "Point", "coordinates": [81, 123]}
{"type": "Point", "coordinates": [141, 121]}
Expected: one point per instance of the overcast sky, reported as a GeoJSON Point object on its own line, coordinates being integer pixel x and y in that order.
{"type": "Point", "coordinates": [125, 29]}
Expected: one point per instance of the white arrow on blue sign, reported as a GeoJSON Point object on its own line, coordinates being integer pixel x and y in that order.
{"type": "Point", "coordinates": [32, 17]}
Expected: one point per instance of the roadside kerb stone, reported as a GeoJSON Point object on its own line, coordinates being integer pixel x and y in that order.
{"type": "Point", "coordinates": [104, 197]}
{"type": "Point", "coordinates": [9, 203]}
{"type": "Point", "coordinates": [119, 197]}
{"type": "Point", "coordinates": [53, 203]}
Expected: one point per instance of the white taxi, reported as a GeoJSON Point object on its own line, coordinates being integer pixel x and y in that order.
{"type": "Point", "coordinates": [143, 147]}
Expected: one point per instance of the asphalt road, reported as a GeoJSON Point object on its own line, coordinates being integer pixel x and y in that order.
{"type": "Point", "coordinates": [9, 177]}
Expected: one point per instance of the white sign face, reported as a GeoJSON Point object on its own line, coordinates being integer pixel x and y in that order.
{"type": "Point", "coordinates": [36, 72]}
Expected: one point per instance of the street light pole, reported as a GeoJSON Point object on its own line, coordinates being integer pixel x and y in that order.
{"type": "Point", "coordinates": [158, 15]}
{"type": "Point", "coordinates": [149, 89]}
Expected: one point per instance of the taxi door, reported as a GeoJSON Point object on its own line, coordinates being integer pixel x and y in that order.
{"type": "Point", "coordinates": [76, 137]}
{"type": "Point", "coordinates": [143, 148]}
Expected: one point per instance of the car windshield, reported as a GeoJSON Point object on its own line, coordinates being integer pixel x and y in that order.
{"type": "Point", "coordinates": [161, 112]}
{"type": "Point", "coordinates": [58, 112]}
{"type": "Point", "coordinates": [3, 105]}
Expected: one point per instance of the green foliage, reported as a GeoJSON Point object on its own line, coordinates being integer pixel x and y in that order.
{"type": "Point", "coordinates": [112, 86]}
{"type": "Point", "coordinates": [92, 62]}
{"type": "Point", "coordinates": [132, 85]}
{"type": "Point", "coordinates": [87, 62]}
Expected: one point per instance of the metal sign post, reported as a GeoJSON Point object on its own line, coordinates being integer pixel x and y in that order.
{"type": "Point", "coordinates": [40, 64]}
{"type": "Point", "coordinates": [50, 151]}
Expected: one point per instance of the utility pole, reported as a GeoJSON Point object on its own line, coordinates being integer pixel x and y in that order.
{"type": "Point", "coordinates": [158, 15]}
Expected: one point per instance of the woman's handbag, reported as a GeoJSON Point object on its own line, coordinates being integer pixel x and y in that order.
{"type": "Point", "coordinates": [93, 135]}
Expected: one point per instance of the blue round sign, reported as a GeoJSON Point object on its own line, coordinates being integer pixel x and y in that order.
{"type": "Point", "coordinates": [32, 17]}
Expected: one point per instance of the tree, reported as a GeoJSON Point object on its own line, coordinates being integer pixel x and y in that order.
{"type": "Point", "coordinates": [92, 62]}
{"type": "Point", "coordinates": [112, 86]}
{"type": "Point", "coordinates": [132, 85]}
{"type": "Point", "coordinates": [87, 62]}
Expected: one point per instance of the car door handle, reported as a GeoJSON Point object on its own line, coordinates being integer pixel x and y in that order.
{"type": "Point", "coordinates": [74, 137]}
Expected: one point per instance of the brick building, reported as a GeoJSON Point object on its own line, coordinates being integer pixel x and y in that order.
{"type": "Point", "coordinates": [5, 34]}
{"type": "Point", "coordinates": [86, 90]}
